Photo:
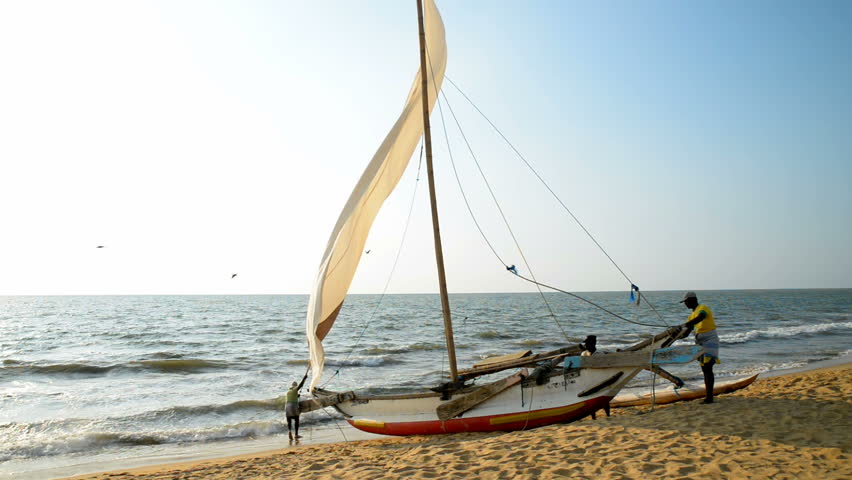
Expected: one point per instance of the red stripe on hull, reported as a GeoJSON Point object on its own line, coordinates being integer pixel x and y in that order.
{"type": "Point", "coordinates": [484, 424]}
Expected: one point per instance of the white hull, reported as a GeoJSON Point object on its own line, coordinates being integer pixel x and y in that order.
{"type": "Point", "coordinates": [563, 397]}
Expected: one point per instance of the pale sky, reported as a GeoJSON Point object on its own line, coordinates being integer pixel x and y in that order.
{"type": "Point", "coordinates": [706, 145]}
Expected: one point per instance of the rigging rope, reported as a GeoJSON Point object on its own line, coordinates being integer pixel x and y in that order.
{"type": "Point", "coordinates": [653, 381]}
{"type": "Point", "coordinates": [335, 375]}
{"type": "Point", "coordinates": [529, 409]}
{"type": "Point", "coordinates": [336, 424]}
{"type": "Point", "coordinates": [533, 280]}
{"type": "Point", "coordinates": [496, 203]}
{"type": "Point", "coordinates": [589, 302]}
{"type": "Point", "coordinates": [543, 182]}
{"type": "Point", "coordinates": [490, 190]}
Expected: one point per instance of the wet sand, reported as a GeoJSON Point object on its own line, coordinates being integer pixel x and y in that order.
{"type": "Point", "coordinates": [795, 426]}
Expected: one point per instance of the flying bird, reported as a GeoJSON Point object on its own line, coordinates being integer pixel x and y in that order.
{"type": "Point", "coordinates": [367, 252]}
{"type": "Point", "coordinates": [234, 275]}
{"type": "Point", "coordinates": [100, 246]}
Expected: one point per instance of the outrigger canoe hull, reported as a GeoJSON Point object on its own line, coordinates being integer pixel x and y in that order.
{"type": "Point", "coordinates": [550, 394]}
{"type": "Point", "coordinates": [508, 422]}
{"type": "Point", "coordinates": [564, 397]}
{"type": "Point", "coordinates": [687, 392]}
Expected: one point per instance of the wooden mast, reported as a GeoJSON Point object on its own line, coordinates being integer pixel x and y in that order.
{"type": "Point", "coordinates": [439, 252]}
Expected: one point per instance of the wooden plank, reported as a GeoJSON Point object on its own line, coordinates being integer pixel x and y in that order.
{"type": "Point", "coordinates": [675, 355]}
{"type": "Point", "coordinates": [521, 362]}
{"type": "Point", "coordinates": [610, 360]}
{"type": "Point", "coordinates": [667, 375]}
{"type": "Point", "coordinates": [502, 358]}
{"type": "Point", "coordinates": [663, 356]}
{"type": "Point", "coordinates": [670, 334]}
{"type": "Point", "coordinates": [463, 403]}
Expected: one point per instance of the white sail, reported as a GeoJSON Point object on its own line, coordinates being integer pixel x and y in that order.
{"type": "Point", "coordinates": [346, 244]}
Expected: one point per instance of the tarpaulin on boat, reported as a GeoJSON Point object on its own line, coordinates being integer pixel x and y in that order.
{"type": "Point", "coordinates": [347, 240]}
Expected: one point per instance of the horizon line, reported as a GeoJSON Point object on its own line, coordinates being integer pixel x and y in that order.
{"type": "Point", "coordinates": [397, 293]}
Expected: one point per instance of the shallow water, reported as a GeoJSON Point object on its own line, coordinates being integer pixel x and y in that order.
{"type": "Point", "coordinates": [121, 376]}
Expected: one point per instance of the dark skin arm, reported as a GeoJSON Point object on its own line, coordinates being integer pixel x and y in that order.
{"type": "Point", "coordinates": [701, 316]}
{"type": "Point", "coordinates": [303, 381]}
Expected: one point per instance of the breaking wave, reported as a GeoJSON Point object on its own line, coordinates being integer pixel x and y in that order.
{"type": "Point", "coordinates": [371, 361]}
{"type": "Point", "coordinates": [364, 361]}
{"type": "Point", "coordinates": [490, 334]}
{"type": "Point", "coordinates": [384, 351]}
{"type": "Point", "coordinates": [415, 347]}
{"type": "Point", "coordinates": [163, 365]}
{"type": "Point", "coordinates": [783, 332]}
{"type": "Point", "coordinates": [192, 411]}
{"type": "Point", "coordinates": [22, 440]}
{"type": "Point", "coordinates": [59, 443]}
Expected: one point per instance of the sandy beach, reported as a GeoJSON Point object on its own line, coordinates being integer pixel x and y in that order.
{"type": "Point", "coordinates": [795, 426]}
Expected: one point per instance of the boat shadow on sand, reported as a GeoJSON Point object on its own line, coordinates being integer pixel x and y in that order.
{"type": "Point", "coordinates": [798, 422]}
{"type": "Point", "coordinates": [792, 422]}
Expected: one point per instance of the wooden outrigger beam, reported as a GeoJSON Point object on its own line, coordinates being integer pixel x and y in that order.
{"type": "Point", "coordinates": [463, 403]}
{"type": "Point", "coordinates": [673, 333]}
{"type": "Point", "coordinates": [325, 400]}
{"type": "Point", "coordinates": [502, 358]}
{"type": "Point", "coordinates": [662, 356]}
{"type": "Point", "coordinates": [648, 359]}
{"type": "Point", "coordinates": [527, 361]}
{"type": "Point", "coordinates": [656, 369]}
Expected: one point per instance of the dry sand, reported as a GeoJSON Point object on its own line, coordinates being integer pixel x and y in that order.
{"type": "Point", "coordinates": [795, 426]}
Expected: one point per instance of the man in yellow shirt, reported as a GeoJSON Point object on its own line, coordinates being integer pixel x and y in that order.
{"type": "Point", "coordinates": [701, 319]}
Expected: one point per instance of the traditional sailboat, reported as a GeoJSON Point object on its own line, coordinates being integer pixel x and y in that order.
{"type": "Point", "coordinates": [555, 386]}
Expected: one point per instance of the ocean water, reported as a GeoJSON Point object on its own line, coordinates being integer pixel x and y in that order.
{"type": "Point", "coordinates": [115, 378]}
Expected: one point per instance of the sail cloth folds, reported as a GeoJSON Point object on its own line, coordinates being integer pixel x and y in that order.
{"type": "Point", "coordinates": [347, 240]}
